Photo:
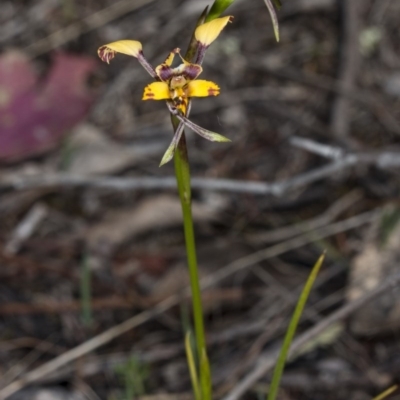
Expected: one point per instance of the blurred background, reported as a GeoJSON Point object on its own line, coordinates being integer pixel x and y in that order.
{"type": "Point", "coordinates": [91, 230]}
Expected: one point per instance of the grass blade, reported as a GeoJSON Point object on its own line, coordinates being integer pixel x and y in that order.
{"type": "Point", "coordinates": [280, 364]}
{"type": "Point", "coordinates": [205, 376]}
{"type": "Point", "coordinates": [86, 292]}
{"type": "Point", "coordinates": [386, 393]}
{"type": "Point", "coordinates": [274, 18]}
{"type": "Point", "coordinates": [192, 368]}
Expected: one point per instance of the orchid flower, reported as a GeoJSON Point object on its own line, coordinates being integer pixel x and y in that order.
{"type": "Point", "coordinates": [176, 85]}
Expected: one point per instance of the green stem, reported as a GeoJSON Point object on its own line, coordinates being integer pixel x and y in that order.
{"type": "Point", "coordinates": [182, 172]}
{"type": "Point", "coordinates": [86, 295]}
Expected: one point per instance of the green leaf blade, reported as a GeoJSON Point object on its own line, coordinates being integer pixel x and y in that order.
{"type": "Point", "coordinates": [274, 17]}
{"type": "Point", "coordinates": [192, 368]}
{"type": "Point", "coordinates": [205, 376]}
{"type": "Point", "coordinates": [386, 393]}
{"type": "Point", "coordinates": [280, 364]}
{"type": "Point", "coordinates": [218, 8]}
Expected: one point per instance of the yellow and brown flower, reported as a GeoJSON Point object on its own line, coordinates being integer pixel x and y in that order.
{"type": "Point", "coordinates": [176, 85]}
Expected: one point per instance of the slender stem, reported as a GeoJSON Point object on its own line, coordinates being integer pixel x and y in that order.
{"type": "Point", "coordinates": [182, 172]}
{"type": "Point", "coordinates": [183, 179]}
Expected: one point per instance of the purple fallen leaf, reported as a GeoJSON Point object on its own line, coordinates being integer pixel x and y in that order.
{"type": "Point", "coordinates": [36, 116]}
{"type": "Point", "coordinates": [16, 76]}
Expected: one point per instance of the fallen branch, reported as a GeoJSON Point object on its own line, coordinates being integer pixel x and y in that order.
{"type": "Point", "coordinates": [341, 162]}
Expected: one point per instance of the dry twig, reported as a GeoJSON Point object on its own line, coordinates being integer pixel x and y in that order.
{"type": "Point", "coordinates": [210, 297]}
{"type": "Point", "coordinates": [379, 159]}
{"type": "Point", "coordinates": [287, 232]}
{"type": "Point", "coordinates": [350, 59]}
{"type": "Point", "coordinates": [90, 23]}
{"type": "Point", "coordinates": [26, 228]}
{"type": "Point", "coordinates": [368, 98]}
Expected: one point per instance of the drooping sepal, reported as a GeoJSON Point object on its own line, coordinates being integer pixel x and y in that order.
{"type": "Point", "coordinates": [205, 133]}
{"type": "Point", "coordinates": [129, 47]}
{"type": "Point", "coordinates": [208, 32]}
{"type": "Point", "coordinates": [174, 143]}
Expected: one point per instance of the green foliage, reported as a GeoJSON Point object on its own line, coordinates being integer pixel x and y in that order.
{"type": "Point", "coordinates": [205, 373]}
{"type": "Point", "coordinates": [192, 367]}
{"type": "Point", "coordinates": [86, 292]}
{"type": "Point", "coordinates": [218, 8]}
{"type": "Point", "coordinates": [273, 15]}
{"type": "Point", "coordinates": [370, 39]}
{"type": "Point", "coordinates": [386, 393]}
{"type": "Point", "coordinates": [133, 374]}
{"type": "Point", "coordinates": [280, 364]}
{"type": "Point", "coordinates": [388, 223]}
{"type": "Point", "coordinates": [182, 173]}
{"type": "Point", "coordinates": [201, 376]}
{"type": "Point", "coordinates": [278, 4]}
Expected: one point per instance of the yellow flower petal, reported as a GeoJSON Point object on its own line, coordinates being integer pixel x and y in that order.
{"type": "Point", "coordinates": [209, 31]}
{"type": "Point", "coordinates": [156, 91]}
{"type": "Point", "coordinates": [128, 47]}
{"type": "Point", "coordinates": [201, 88]}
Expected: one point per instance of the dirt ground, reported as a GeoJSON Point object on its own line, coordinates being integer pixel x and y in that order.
{"type": "Point", "coordinates": [93, 265]}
